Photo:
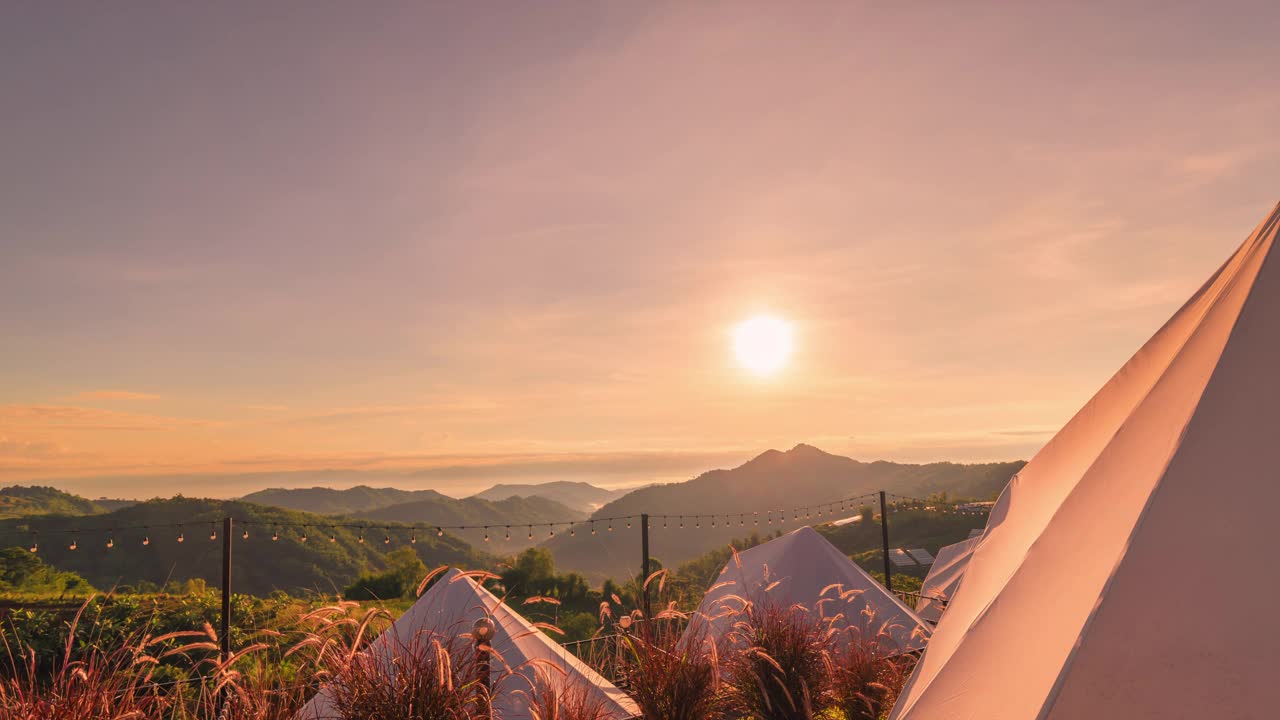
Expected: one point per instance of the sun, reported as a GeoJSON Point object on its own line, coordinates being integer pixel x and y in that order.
{"type": "Point", "coordinates": [762, 344]}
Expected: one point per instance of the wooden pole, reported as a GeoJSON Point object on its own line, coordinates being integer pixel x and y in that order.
{"type": "Point", "coordinates": [226, 589]}
{"type": "Point", "coordinates": [884, 536]}
{"type": "Point", "coordinates": [644, 561]}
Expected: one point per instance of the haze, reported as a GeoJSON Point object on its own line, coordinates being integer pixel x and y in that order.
{"type": "Point", "coordinates": [452, 246]}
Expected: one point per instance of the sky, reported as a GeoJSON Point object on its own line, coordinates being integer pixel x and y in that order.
{"type": "Point", "coordinates": [250, 244]}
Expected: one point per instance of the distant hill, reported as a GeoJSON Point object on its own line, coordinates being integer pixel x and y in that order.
{"type": "Point", "coordinates": [517, 513]}
{"type": "Point", "coordinates": [378, 505]}
{"type": "Point", "coordinates": [801, 476]}
{"type": "Point", "coordinates": [580, 496]}
{"type": "Point", "coordinates": [261, 564]}
{"type": "Point", "coordinates": [18, 501]}
{"type": "Point", "coordinates": [328, 501]}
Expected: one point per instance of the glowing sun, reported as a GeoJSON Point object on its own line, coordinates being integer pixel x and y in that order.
{"type": "Point", "coordinates": [762, 344]}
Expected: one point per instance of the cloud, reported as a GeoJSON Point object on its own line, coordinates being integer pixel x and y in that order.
{"type": "Point", "coordinates": [73, 417]}
{"type": "Point", "coordinates": [115, 395]}
{"type": "Point", "coordinates": [455, 474]}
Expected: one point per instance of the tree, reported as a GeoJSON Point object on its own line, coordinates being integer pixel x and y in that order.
{"type": "Point", "coordinates": [404, 569]}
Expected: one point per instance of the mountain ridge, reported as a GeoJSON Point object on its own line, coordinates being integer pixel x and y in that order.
{"type": "Point", "coordinates": [773, 480]}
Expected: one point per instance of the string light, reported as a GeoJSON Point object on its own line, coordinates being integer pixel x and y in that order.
{"type": "Point", "coordinates": [303, 538]}
{"type": "Point", "coordinates": [245, 534]}
{"type": "Point", "coordinates": [508, 535]}
{"type": "Point", "coordinates": [386, 539]}
{"type": "Point", "coordinates": [572, 531]}
{"type": "Point", "coordinates": [35, 546]}
{"type": "Point", "coordinates": [360, 539]}
{"type": "Point", "coordinates": [610, 524]}
{"type": "Point", "coordinates": [275, 534]}
{"type": "Point", "coordinates": [440, 532]}
{"type": "Point", "coordinates": [333, 535]}
{"type": "Point", "coordinates": [73, 545]}
{"type": "Point", "coordinates": [530, 532]}
{"type": "Point", "coordinates": [628, 524]}
{"type": "Point", "coordinates": [551, 531]}
{"type": "Point", "coordinates": [213, 531]}
{"type": "Point", "coordinates": [146, 539]}
{"type": "Point", "coordinates": [181, 537]}
{"type": "Point", "coordinates": [413, 539]}
{"type": "Point", "coordinates": [111, 541]}
{"type": "Point", "coordinates": [486, 534]}
{"type": "Point", "coordinates": [593, 528]}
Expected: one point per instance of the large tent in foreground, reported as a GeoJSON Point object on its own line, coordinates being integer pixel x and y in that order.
{"type": "Point", "coordinates": [944, 579]}
{"type": "Point", "coordinates": [802, 568]}
{"type": "Point", "coordinates": [528, 657]}
{"type": "Point", "coordinates": [1120, 573]}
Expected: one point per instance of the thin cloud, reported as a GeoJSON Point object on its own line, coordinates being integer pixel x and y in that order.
{"type": "Point", "coordinates": [114, 395]}
{"type": "Point", "coordinates": [73, 417]}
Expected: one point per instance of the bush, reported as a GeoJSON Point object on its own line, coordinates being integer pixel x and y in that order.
{"type": "Point", "coordinates": [778, 662]}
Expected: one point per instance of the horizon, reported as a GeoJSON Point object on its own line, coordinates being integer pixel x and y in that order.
{"type": "Point", "coordinates": [246, 484]}
{"type": "Point", "coordinates": [614, 244]}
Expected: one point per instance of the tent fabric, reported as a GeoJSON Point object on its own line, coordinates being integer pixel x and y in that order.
{"type": "Point", "coordinates": [943, 579]}
{"type": "Point", "coordinates": [450, 608]}
{"type": "Point", "coordinates": [804, 565]}
{"type": "Point", "coordinates": [1097, 590]}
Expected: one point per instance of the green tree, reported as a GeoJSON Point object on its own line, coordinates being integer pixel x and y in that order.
{"type": "Point", "coordinates": [399, 579]}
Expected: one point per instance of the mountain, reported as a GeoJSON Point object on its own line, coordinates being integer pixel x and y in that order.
{"type": "Point", "coordinates": [18, 501]}
{"type": "Point", "coordinates": [581, 496]}
{"type": "Point", "coordinates": [802, 476]}
{"type": "Point", "coordinates": [260, 565]}
{"type": "Point", "coordinates": [328, 501]}
{"type": "Point", "coordinates": [512, 516]}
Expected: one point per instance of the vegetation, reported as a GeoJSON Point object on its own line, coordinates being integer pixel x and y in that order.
{"type": "Point", "coordinates": [17, 501]}
{"type": "Point", "coordinates": [23, 573]}
{"type": "Point", "coordinates": [582, 497]}
{"type": "Point", "coordinates": [329, 559]}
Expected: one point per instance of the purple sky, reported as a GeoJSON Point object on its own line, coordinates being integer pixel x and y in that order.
{"type": "Point", "coordinates": [245, 243]}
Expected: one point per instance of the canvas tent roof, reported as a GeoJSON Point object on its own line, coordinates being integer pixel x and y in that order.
{"type": "Point", "coordinates": [943, 579]}
{"type": "Point", "coordinates": [804, 564]}
{"type": "Point", "coordinates": [450, 607]}
{"type": "Point", "coordinates": [1095, 590]}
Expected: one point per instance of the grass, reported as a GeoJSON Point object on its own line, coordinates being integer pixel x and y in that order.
{"type": "Point", "coordinates": [778, 663]}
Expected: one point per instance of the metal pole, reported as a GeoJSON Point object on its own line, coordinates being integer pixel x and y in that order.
{"type": "Point", "coordinates": [226, 589]}
{"type": "Point", "coordinates": [884, 535]}
{"type": "Point", "coordinates": [644, 561]}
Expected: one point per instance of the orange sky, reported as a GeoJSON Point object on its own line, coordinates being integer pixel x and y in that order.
{"type": "Point", "coordinates": [447, 248]}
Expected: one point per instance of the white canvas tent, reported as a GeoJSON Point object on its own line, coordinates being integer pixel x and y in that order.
{"type": "Point", "coordinates": [450, 608]}
{"type": "Point", "coordinates": [804, 565]}
{"type": "Point", "coordinates": [1110, 582]}
{"type": "Point", "coordinates": [943, 579]}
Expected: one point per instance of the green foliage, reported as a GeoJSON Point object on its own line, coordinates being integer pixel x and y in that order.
{"type": "Point", "coordinates": [404, 571]}
{"type": "Point", "coordinates": [261, 564]}
{"type": "Point", "coordinates": [24, 573]}
{"type": "Point", "coordinates": [907, 529]}
{"type": "Point", "coordinates": [17, 501]}
{"type": "Point", "coordinates": [575, 606]}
